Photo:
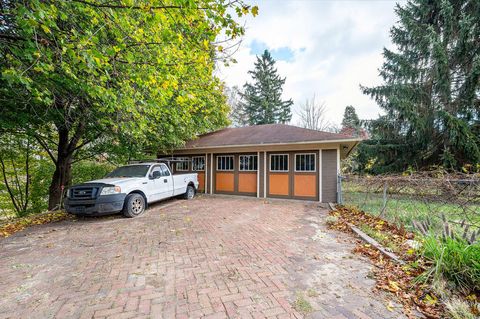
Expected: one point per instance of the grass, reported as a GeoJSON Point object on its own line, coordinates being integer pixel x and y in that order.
{"type": "Point", "coordinates": [453, 260]}
{"type": "Point", "coordinates": [458, 309]}
{"type": "Point", "coordinates": [403, 211]}
{"type": "Point", "coordinates": [302, 305]}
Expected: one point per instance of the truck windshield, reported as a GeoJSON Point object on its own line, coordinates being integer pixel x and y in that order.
{"type": "Point", "coordinates": [130, 171]}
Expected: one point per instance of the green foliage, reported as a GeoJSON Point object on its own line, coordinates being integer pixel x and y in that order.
{"type": "Point", "coordinates": [431, 90]}
{"type": "Point", "coordinates": [453, 260]}
{"type": "Point", "coordinates": [41, 170]}
{"type": "Point", "coordinates": [262, 101]}
{"type": "Point", "coordinates": [350, 118]}
{"type": "Point", "coordinates": [88, 170]}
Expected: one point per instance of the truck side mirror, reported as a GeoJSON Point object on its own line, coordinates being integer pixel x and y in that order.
{"type": "Point", "coordinates": [156, 174]}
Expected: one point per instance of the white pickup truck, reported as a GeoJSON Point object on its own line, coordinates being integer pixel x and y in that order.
{"type": "Point", "coordinates": [129, 189]}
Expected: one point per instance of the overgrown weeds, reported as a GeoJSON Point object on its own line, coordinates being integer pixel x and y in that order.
{"type": "Point", "coordinates": [453, 260]}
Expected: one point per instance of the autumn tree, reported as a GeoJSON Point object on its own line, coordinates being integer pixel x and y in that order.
{"type": "Point", "coordinates": [83, 77]}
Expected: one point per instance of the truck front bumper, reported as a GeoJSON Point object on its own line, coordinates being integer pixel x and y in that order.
{"type": "Point", "coordinates": [102, 205]}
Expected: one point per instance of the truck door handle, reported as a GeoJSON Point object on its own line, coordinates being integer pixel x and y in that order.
{"type": "Point", "coordinates": [165, 180]}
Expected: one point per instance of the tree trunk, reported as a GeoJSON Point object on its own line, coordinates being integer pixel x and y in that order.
{"type": "Point", "coordinates": [63, 170]}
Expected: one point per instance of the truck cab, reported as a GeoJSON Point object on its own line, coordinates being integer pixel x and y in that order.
{"type": "Point", "coordinates": [129, 189]}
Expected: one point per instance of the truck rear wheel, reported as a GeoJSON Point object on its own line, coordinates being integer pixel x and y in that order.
{"type": "Point", "coordinates": [190, 193]}
{"type": "Point", "coordinates": [134, 205]}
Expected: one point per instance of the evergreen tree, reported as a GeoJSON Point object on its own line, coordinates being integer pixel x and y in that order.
{"type": "Point", "coordinates": [350, 118]}
{"type": "Point", "coordinates": [431, 90]}
{"type": "Point", "coordinates": [262, 100]}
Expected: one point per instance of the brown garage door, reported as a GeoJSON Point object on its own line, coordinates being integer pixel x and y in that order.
{"type": "Point", "coordinates": [293, 175]}
{"type": "Point", "coordinates": [236, 174]}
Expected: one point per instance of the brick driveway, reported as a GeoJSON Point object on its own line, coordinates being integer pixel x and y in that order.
{"type": "Point", "coordinates": [213, 257]}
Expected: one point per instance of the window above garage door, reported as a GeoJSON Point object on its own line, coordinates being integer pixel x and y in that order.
{"type": "Point", "coordinates": [279, 162]}
{"type": "Point", "coordinates": [248, 162]}
{"type": "Point", "coordinates": [305, 162]}
{"type": "Point", "coordinates": [225, 163]}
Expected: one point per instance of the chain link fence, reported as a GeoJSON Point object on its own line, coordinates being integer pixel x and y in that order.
{"type": "Point", "coordinates": [432, 198]}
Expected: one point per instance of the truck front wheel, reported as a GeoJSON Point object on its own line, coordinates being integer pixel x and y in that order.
{"type": "Point", "coordinates": [134, 205]}
{"type": "Point", "coordinates": [190, 193]}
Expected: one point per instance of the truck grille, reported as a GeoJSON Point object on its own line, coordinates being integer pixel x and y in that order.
{"type": "Point", "coordinates": [84, 192]}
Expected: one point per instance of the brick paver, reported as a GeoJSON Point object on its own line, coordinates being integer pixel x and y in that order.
{"type": "Point", "coordinates": [212, 257]}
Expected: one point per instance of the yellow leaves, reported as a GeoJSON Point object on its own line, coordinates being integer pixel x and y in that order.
{"type": "Point", "coordinates": [206, 44]}
{"type": "Point", "coordinates": [393, 285]}
{"type": "Point", "coordinates": [22, 223]}
{"type": "Point", "coordinates": [430, 300]}
{"type": "Point", "coordinates": [390, 306]}
{"type": "Point", "coordinates": [45, 28]}
{"type": "Point", "coordinates": [220, 48]}
{"type": "Point", "coordinates": [255, 11]}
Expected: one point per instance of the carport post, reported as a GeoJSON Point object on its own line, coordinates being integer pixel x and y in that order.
{"type": "Point", "coordinates": [265, 174]}
{"type": "Point", "coordinates": [211, 173]}
{"type": "Point", "coordinates": [206, 173]}
{"type": "Point", "coordinates": [320, 175]}
{"type": "Point", "coordinates": [258, 176]}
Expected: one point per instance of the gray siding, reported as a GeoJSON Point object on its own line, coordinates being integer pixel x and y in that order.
{"type": "Point", "coordinates": [329, 176]}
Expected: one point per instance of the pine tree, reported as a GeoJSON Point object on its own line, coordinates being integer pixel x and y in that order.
{"type": "Point", "coordinates": [350, 118]}
{"type": "Point", "coordinates": [262, 100]}
{"type": "Point", "coordinates": [431, 90]}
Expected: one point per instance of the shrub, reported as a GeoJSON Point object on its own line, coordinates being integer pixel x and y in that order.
{"type": "Point", "coordinates": [453, 260]}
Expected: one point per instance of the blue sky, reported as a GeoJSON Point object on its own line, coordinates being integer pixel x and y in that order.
{"type": "Point", "coordinates": [326, 48]}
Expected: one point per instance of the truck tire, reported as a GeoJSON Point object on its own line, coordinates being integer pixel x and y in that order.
{"type": "Point", "coordinates": [134, 205]}
{"type": "Point", "coordinates": [190, 193]}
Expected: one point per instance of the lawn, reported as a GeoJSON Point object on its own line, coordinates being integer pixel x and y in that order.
{"type": "Point", "coordinates": [402, 209]}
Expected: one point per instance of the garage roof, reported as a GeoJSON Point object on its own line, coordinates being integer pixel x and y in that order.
{"type": "Point", "coordinates": [265, 134]}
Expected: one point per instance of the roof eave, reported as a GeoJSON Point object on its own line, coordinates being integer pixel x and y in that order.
{"type": "Point", "coordinates": [276, 144]}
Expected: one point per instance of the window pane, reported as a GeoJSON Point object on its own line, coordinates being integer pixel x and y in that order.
{"type": "Point", "coordinates": [279, 162]}
{"type": "Point", "coordinates": [305, 162]}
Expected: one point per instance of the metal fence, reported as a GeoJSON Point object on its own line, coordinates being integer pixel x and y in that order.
{"type": "Point", "coordinates": [431, 198]}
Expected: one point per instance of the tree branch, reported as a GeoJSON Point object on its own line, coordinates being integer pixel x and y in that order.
{"type": "Point", "coordinates": [45, 147]}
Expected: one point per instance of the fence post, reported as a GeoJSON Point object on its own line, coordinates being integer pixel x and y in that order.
{"type": "Point", "coordinates": [384, 207]}
{"type": "Point", "coordinates": [339, 190]}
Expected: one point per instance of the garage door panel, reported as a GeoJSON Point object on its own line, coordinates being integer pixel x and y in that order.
{"type": "Point", "coordinates": [224, 182]}
{"type": "Point", "coordinates": [201, 181]}
{"type": "Point", "coordinates": [278, 184]}
{"type": "Point", "coordinates": [305, 186]}
{"type": "Point", "coordinates": [247, 183]}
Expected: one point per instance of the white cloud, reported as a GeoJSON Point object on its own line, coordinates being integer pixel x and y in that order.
{"type": "Point", "coordinates": [337, 46]}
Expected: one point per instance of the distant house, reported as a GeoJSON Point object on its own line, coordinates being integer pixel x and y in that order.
{"type": "Point", "coordinates": [268, 161]}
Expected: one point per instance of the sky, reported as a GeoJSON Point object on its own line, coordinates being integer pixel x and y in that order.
{"type": "Point", "coordinates": [323, 48]}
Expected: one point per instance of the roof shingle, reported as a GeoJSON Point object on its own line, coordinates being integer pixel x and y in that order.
{"type": "Point", "coordinates": [263, 134]}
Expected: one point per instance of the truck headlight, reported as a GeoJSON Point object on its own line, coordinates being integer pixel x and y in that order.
{"type": "Point", "coordinates": [110, 190]}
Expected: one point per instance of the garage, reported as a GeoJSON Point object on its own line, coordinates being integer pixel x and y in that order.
{"type": "Point", "coordinates": [267, 161]}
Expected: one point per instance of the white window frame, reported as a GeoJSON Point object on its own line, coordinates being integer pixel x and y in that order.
{"type": "Point", "coordinates": [183, 162]}
{"type": "Point", "coordinates": [204, 164]}
{"type": "Point", "coordinates": [314, 163]}
{"type": "Point", "coordinates": [226, 170]}
{"type": "Point", "coordinates": [247, 170]}
{"type": "Point", "coordinates": [279, 171]}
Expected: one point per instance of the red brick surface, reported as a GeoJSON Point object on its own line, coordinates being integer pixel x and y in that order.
{"type": "Point", "coordinates": [212, 257]}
